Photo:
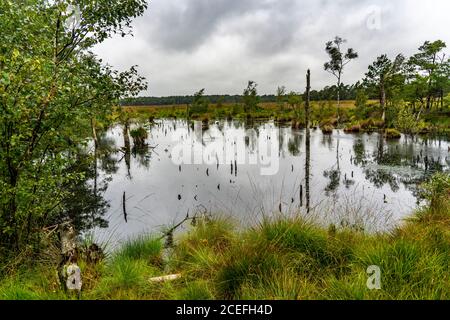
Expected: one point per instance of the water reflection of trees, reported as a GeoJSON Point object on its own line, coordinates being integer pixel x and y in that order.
{"type": "Point", "coordinates": [294, 144]}
{"type": "Point", "coordinates": [384, 165]}
{"type": "Point", "coordinates": [84, 205]}
{"type": "Point", "coordinates": [334, 177]}
{"type": "Point", "coordinates": [251, 140]}
{"type": "Point", "coordinates": [142, 155]}
{"type": "Point", "coordinates": [127, 147]}
{"type": "Point", "coordinates": [106, 151]}
{"type": "Point", "coordinates": [327, 141]}
{"type": "Point", "coordinates": [359, 149]}
{"type": "Point", "coordinates": [333, 174]}
{"type": "Point", "coordinates": [141, 150]}
{"type": "Point", "coordinates": [380, 177]}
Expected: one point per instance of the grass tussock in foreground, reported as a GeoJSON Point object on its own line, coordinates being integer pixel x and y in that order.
{"type": "Point", "coordinates": [277, 259]}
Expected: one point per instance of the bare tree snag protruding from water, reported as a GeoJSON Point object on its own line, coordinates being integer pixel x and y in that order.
{"type": "Point", "coordinates": [127, 146]}
{"type": "Point", "coordinates": [124, 206]}
{"type": "Point", "coordinates": [94, 137]}
{"type": "Point", "coordinates": [308, 139]}
{"type": "Point", "coordinates": [301, 196]}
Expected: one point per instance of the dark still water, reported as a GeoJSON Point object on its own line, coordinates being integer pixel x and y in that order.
{"type": "Point", "coordinates": [247, 171]}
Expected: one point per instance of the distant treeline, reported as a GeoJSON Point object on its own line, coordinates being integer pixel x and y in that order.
{"type": "Point", "coordinates": [348, 92]}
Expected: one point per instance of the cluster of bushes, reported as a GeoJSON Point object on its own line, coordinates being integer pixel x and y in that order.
{"type": "Point", "coordinates": [322, 114]}
{"type": "Point", "coordinates": [139, 136]}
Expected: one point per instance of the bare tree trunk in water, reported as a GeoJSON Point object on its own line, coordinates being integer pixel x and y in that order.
{"type": "Point", "coordinates": [380, 149]}
{"type": "Point", "coordinates": [308, 140]}
{"type": "Point", "coordinates": [339, 100]}
{"type": "Point", "coordinates": [94, 136]}
{"type": "Point", "coordinates": [337, 155]}
{"type": "Point", "coordinates": [127, 147]}
{"type": "Point", "coordinates": [124, 207]}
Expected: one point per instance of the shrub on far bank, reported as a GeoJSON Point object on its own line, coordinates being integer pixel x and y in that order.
{"type": "Point", "coordinates": [392, 134]}
{"type": "Point", "coordinates": [352, 128]}
{"type": "Point", "coordinates": [327, 129]}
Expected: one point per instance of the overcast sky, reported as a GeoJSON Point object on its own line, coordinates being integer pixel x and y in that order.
{"type": "Point", "coordinates": [182, 46]}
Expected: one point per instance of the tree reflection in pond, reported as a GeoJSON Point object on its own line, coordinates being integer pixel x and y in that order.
{"type": "Point", "coordinates": [342, 166]}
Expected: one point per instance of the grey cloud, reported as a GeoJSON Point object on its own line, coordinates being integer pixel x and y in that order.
{"type": "Point", "coordinates": [270, 29]}
{"type": "Point", "coordinates": [184, 25]}
{"type": "Point", "coordinates": [184, 45]}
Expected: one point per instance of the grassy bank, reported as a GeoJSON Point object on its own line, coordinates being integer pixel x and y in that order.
{"type": "Point", "coordinates": [323, 115]}
{"type": "Point", "coordinates": [276, 259]}
{"type": "Point", "coordinates": [321, 110]}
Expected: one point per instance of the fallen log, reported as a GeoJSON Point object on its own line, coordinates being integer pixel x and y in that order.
{"type": "Point", "coordinates": [165, 278]}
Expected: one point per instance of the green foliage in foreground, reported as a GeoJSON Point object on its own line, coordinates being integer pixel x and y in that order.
{"type": "Point", "coordinates": [285, 258]}
{"type": "Point", "coordinates": [53, 93]}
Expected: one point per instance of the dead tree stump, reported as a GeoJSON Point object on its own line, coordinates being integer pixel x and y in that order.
{"type": "Point", "coordinates": [69, 272]}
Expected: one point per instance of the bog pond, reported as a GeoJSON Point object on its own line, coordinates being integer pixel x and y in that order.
{"type": "Point", "coordinates": [248, 171]}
